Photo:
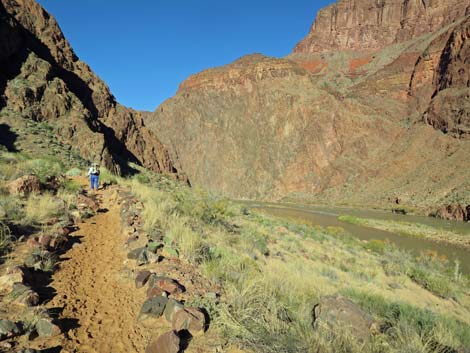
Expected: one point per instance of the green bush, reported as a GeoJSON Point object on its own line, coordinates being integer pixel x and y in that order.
{"type": "Point", "coordinates": [376, 246]}
{"type": "Point", "coordinates": [11, 208]}
{"type": "Point", "coordinates": [422, 322]}
{"type": "Point", "coordinates": [71, 186]}
{"type": "Point", "coordinates": [433, 282]}
{"type": "Point", "coordinates": [6, 239]}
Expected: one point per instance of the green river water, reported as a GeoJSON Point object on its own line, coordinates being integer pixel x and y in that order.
{"type": "Point", "coordinates": [328, 216]}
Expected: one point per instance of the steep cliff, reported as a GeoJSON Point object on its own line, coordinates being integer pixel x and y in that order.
{"type": "Point", "coordinates": [42, 79]}
{"type": "Point", "coordinates": [351, 125]}
{"type": "Point", "coordinates": [367, 24]}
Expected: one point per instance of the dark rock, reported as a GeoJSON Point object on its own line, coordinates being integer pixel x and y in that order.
{"type": "Point", "coordinates": [134, 254]}
{"type": "Point", "coordinates": [171, 308]}
{"type": "Point", "coordinates": [8, 329]}
{"type": "Point", "coordinates": [340, 311]}
{"type": "Point", "coordinates": [47, 328]}
{"type": "Point", "coordinates": [166, 343]}
{"type": "Point", "coordinates": [147, 257]}
{"type": "Point", "coordinates": [25, 185]}
{"type": "Point", "coordinates": [84, 202]}
{"type": "Point", "coordinates": [13, 275]}
{"type": "Point", "coordinates": [142, 278]}
{"type": "Point", "coordinates": [44, 241]}
{"type": "Point", "coordinates": [24, 295]}
{"type": "Point", "coordinates": [454, 212]}
{"type": "Point", "coordinates": [154, 306]}
{"type": "Point", "coordinates": [143, 256]}
{"type": "Point", "coordinates": [169, 285]}
{"type": "Point", "coordinates": [155, 292]}
{"type": "Point", "coordinates": [57, 242]}
{"type": "Point", "coordinates": [190, 319]}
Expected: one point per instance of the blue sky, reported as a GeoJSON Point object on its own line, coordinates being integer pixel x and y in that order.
{"type": "Point", "coordinates": [144, 49]}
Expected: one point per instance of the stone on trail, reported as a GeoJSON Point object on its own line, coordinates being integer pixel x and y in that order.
{"type": "Point", "coordinates": [84, 202]}
{"type": "Point", "coordinates": [13, 275]}
{"type": "Point", "coordinates": [142, 278]}
{"type": "Point", "coordinates": [337, 310]}
{"type": "Point", "coordinates": [134, 254]}
{"type": "Point", "coordinates": [47, 328]}
{"type": "Point", "coordinates": [166, 343]}
{"type": "Point", "coordinates": [143, 256]}
{"type": "Point", "coordinates": [154, 306]}
{"type": "Point", "coordinates": [190, 319]}
{"type": "Point", "coordinates": [44, 241]}
{"type": "Point", "coordinates": [25, 185]}
{"type": "Point", "coordinates": [172, 307]}
{"type": "Point", "coordinates": [8, 329]}
{"type": "Point", "coordinates": [23, 295]}
{"type": "Point", "coordinates": [155, 292]}
{"type": "Point", "coordinates": [169, 285]}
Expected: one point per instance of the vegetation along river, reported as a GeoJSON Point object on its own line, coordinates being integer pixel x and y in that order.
{"type": "Point", "coordinates": [328, 216]}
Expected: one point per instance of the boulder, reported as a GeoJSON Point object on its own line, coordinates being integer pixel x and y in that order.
{"type": "Point", "coordinates": [23, 295]}
{"type": "Point", "coordinates": [25, 185]}
{"type": "Point", "coordinates": [454, 212]}
{"type": "Point", "coordinates": [44, 241]}
{"type": "Point", "coordinates": [84, 202]}
{"type": "Point", "coordinates": [134, 254]}
{"type": "Point", "coordinates": [8, 329]}
{"type": "Point", "coordinates": [47, 328]}
{"type": "Point", "coordinates": [154, 306]}
{"type": "Point", "coordinates": [142, 278]}
{"type": "Point", "coordinates": [33, 242]}
{"type": "Point", "coordinates": [166, 343]}
{"type": "Point", "coordinates": [13, 275]}
{"type": "Point", "coordinates": [171, 308]}
{"type": "Point", "coordinates": [143, 256]}
{"type": "Point", "coordinates": [155, 292]}
{"type": "Point", "coordinates": [190, 319]}
{"type": "Point", "coordinates": [169, 285]}
{"type": "Point", "coordinates": [57, 242]}
{"type": "Point", "coordinates": [340, 311]}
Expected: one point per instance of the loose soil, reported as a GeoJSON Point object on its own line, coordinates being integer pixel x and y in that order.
{"type": "Point", "coordinates": [100, 305]}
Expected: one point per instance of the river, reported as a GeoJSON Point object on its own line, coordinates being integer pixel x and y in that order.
{"type": "Point", "coordinates": [328, 216]}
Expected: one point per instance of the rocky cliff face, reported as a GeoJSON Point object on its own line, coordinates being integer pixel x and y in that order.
{"type": "Point", "coordinates": [353, 115]}
{"type": "Point", "coordinates": [263, 127]}
{"type": "Point", "coordinates": [42, 79]}
{"type": "Point", "coordinates": [372, 24]}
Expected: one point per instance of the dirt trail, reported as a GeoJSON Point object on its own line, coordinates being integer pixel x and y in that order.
{"type": "Point", "coordinates": [100, 306]}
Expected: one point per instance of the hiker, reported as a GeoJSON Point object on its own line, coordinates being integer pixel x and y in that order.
{"type": "Point", "coordinates": [94, 174]}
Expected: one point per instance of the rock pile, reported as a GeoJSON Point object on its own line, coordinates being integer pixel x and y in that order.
{"type": "Point", "coordinates": [164, 293]}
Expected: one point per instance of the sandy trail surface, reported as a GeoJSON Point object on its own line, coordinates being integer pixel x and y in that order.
{"type": "Point", "coordinates": [100, 306]}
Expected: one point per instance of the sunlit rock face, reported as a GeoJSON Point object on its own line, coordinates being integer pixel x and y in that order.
{"type": "Point", "coordinates": [352, 114]}
{"type": "Point", "coordinates": [42, 79]}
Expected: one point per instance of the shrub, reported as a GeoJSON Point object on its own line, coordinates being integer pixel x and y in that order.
{"type": "Point", "coordinates": [435, 283]}
{"type": "Point", "coordinates": [6, 239]}
{"type": "Point", "coordinates": [74, 172]}
{"type": "Point", "coordinates": [71, 186]}
{"type": "Point", "coordinates": [186, 240]}
{"type": "Point", "coordinates": [11, 208]}
{"type": "Point", "coordinates": [41, 208]}
{"type": "Point", "coordinates": [376, 246]}
{"type": "Point", "coordinates": [408, 322]}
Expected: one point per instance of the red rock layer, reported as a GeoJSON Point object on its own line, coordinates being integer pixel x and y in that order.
{"type": "Point", "coordinates": [371, 24]}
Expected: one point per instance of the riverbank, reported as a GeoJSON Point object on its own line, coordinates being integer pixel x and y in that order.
{"type": "Point", "coordinates": [416, 230]}
{"type": "Point", "coordinates": [267, 284]}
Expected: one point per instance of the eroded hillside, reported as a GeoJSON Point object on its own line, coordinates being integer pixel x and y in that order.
{"type": "Point", "coordinates": [42, 80]}
{"type": "Point", "coordinates": [348, 117]}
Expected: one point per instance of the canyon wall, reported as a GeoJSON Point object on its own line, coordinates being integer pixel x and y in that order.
{"type": "Point", "coordinates": [41, 79]}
